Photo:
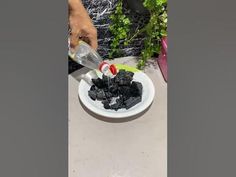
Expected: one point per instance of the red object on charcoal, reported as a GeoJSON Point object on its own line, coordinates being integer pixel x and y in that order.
{"type": "Point", "coordinates": [162, 59]}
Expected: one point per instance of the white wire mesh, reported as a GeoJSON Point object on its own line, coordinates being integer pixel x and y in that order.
{"type": "Point", "coordinates": [99, 11]}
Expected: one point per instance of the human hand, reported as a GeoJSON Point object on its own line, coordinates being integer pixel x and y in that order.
{"type": "Point", "coordinates": [82, 28]}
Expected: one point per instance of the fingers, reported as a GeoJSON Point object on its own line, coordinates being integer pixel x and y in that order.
{"type": "Point", "coordinates": [94, 45]}
{"type": "Point", "coordinates": [94, 42]}
{"type": "Point", "coordinates": [87, 33]}
{"type": "Point", "coordinates": [92, 37]}
{"type": "Point", "coordinates": [74, 39]}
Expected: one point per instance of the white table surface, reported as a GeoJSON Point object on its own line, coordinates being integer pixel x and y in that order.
{"type": "Point", "coordinates": [135, 147]}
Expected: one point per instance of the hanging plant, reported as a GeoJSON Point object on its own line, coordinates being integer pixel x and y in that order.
{"type": "Point", "coordinates": [154, 31]}
{"type": "Point", "coordinates": [120, 27]}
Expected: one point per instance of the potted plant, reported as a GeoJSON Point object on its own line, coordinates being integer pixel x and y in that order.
{"type": "Point", "coordinates": [162, 59]}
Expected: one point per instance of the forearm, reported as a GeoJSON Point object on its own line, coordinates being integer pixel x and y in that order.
{"type": "Point", "coordinates": [76, 8]}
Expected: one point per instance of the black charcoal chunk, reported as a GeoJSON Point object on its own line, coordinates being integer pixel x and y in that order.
{"type": "Point", "coordinates": [122, 106]}
{"type": "Point", "coordinates": [101, 95]}
{"type": "Point", "coordinates": [132, 101]}
{"type": "Point", "coordinates": [124, 81]}
{"type": "Point", "coordinates": [124, 90]}
{"type": "Point", "coordinates": [112, 80]}
{"type": "Point", "coordinates": [98, 82]}
{"type": "Point", "coordinates": [124, 77]}
{"type": "Point", "coordinates": [119, 104]}
{"type": "Point", "coordinates": [121, 72]}
{"type": "Point", "coordinates": [118, 92]}
{"type": "Point", "coordinates": [113, 88]}
{"type": "Point", "coordinates": [105, 80]}
{"type": "Point", "coordinates": [115, 106]}
{"type": "Point", "coordinates": [124, 97]}
{"type": "Point", "coordinates": [116, 79]}
{"type": "Point", "coordinates": [106, 104]}
{"type": "Point", "coordinates": [130, 74]}
{"type": "Point", "coordinates": [108, 95]}
{"type": "Point", "coordinates": [115, 94]}
{"type": "Point", "coordinates": [93, 87]}
{"type": "Point", "coordinates": [92, 94]}
{"type": "Point", "coordinates": [120, 101]}
{"type": "Point", "coordinates": [136, 88]}
{"type": "Point", "coordinates": [106, 89]}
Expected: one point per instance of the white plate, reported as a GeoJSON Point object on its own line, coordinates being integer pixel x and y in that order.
{"type": "Point", "coordinates": [97, 106]}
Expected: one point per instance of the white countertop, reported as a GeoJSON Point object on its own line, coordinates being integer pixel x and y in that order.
{"type": "Point", "coordinates": [133, 148]}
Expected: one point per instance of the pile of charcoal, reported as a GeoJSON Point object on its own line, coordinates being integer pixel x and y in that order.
{"type": "Point", "coordinates": [118, 92]}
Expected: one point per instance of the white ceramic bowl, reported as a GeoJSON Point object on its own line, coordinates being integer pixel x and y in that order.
{"type": "Point", "coordinates": [97, 107]}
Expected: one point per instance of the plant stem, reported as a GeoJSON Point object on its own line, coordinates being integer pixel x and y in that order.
{"type": "Point", "coordinates": [136, 34]}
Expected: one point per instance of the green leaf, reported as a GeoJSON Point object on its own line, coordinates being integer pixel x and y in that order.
{"type": "Point", "coordinates": [154, 30]}
{"type": "Point", "coordinates": [126, 43]}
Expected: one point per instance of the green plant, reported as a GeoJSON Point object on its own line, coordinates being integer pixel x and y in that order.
{"type": "Point", "coordinates": [120, 26]}
{"type": "Point", "coordinates": [154, 30]}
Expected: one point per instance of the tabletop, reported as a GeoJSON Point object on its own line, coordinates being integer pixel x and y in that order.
{"type": "Point", "coordinates": [133, 147]}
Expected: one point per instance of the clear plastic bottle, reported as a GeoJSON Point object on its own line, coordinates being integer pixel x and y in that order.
{"type": "Point", "coordinates": [86, 56]}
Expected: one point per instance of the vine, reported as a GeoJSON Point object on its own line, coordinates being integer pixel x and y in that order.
{"type": "Point", "coordinates": [119, 28]}
{"type": "Point", "coordinates": [154, 30]}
